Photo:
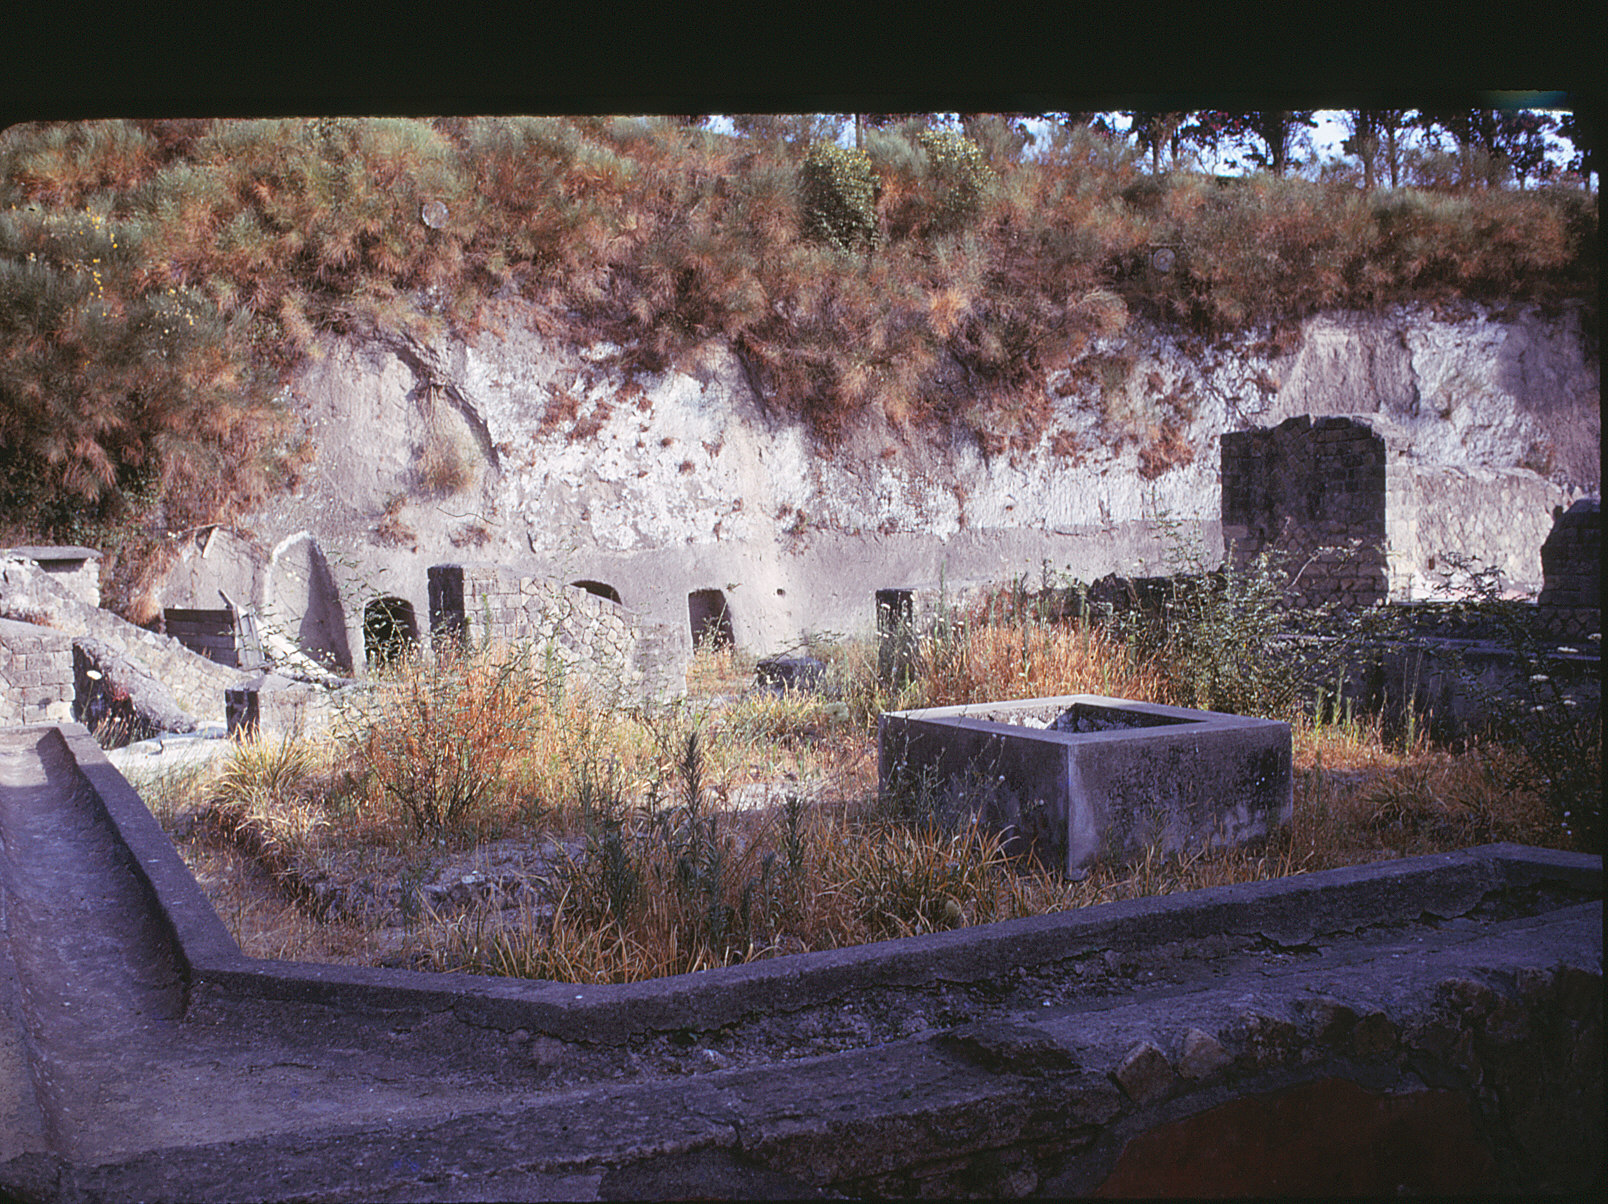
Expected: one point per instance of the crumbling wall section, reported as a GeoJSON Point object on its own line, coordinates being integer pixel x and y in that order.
{"type": "Point", "coordinates": [75, 569]}
{"type": "Point", "coordinates": [582, 632]}
{"type": "Point", "coordinates": [1571, 563]}
{"type": "Point", "coordinates": [36, 674]}
{"type": "Point", "coordinates": [1361, 520]}
{"type": "Point", "coordinates": [277, 707]}
{"type": "Point", "coordinates": [1305, 490]}
{"type": "Point", "coordinates": [196, 684]}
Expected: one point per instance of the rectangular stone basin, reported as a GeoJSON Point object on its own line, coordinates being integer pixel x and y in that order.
{"type": "Point", "coordinates": [1081, 778]}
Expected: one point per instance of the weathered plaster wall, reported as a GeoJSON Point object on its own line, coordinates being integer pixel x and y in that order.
{"type": "Point", "coordinates": [517, 450]}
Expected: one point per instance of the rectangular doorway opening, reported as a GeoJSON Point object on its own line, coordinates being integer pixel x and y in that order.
{"type": "Point", "coordinates": [710, 618]}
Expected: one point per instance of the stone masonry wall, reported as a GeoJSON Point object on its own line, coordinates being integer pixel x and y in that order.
{"type": "Point", "coordinates": [196, 684]}
{"type": "Point", "coordinates": [36, 674]}
{"type": "Point", "coordinates": [1571, 559]}
{"type": "Point", "coordinates": [1363, 521]}
{"type": "Point", "coordinates": [585, 633]}
{"type": "Point", "coordinates": [1305, 489]}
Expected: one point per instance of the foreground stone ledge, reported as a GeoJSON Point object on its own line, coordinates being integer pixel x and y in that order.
{"type": "Point", "coordinates": [1459, 993]}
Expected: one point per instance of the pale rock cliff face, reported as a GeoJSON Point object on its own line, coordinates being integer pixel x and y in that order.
{"type": "Point", "coordinates": [511, 448]}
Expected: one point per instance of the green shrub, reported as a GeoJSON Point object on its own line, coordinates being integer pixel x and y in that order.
{"type": "Point", "coordinates": [443, 736]}
{"type": "Point", "coordinates": [839, 193]}
{"type": "Point", "coordinates": [959, 178]}
{"type": "Point", "coordinates": [1239, 639]}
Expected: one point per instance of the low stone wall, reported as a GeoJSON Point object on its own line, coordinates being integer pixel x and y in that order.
{"type": "Point", "coordinates": [1431, 1025]}
{"type": "Point", "coordinates": [1571, 560]}
{"type": "Point", "coordinates": [583, 632]}
{"type": "Point", "coordinates": [36, 674]}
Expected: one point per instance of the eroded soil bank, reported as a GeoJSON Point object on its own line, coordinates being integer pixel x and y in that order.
{"type": "Point", "coordinates": [658, 488]}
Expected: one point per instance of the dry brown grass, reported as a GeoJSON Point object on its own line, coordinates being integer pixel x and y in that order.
{"type": "Point", "coordinates": [994, 662]}
{"type": "Point", "coordinates": [674, 880]}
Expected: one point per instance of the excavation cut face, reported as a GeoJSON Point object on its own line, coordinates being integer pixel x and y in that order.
{"type": "Point", "coordinates": [1081, 778]}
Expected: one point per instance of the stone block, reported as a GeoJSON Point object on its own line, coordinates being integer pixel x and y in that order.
{"type": "Point", "coordinates": [1145, 1074]}
{"type": "Point", "coordinates": [1081, 778]}
{"type": "Point", "coordinates": [1203, 1055]}
{"type": "Point", "coordinates": [783, 673]}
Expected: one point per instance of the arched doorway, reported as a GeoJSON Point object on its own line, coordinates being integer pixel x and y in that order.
{"type": "Point", "coordinates": [390, 631]}
{"type": "Point", "coordinates": [303, 602]}
{"type": "Point", "coordinates": [711, 619]}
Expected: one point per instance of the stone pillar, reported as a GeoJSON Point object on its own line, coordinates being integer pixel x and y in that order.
{"type": "Point", "coordinates": [896, 635]}
{"type": "Point", "coordinates": [1571, 564]}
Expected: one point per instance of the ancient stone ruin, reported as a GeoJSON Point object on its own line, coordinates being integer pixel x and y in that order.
{"type": "Point", "coordinates": [1571, 560]}
{"type": "Point", "coordinates": [152, 680]}
{"type": "Point", "coordinates": [1363, 520]}
{"type": "Point", "coordinates": [36, 674]}
{"type": "Point", "coordinates": [1427, 1025]}
{"type": "Point", "coordinates": [75, 569]}
{"type": "Point", "coordinates": [578, 629]}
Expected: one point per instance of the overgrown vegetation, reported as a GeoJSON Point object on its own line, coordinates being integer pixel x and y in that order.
{"type": "Point", "coordinates": [734, 826]}
{"type": "Point", "coordinates": [160, 279]}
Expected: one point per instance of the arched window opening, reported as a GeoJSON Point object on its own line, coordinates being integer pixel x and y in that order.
{"type": "Point", "coordinates": [601, 588]}
{"type": "Point", "coordinates": [390, 631]}
{"type": "Point", "coordinates": [711, 619]}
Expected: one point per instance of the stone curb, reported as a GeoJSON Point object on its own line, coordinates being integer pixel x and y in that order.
{"type": "Point", "coordinates": [1289, 912]}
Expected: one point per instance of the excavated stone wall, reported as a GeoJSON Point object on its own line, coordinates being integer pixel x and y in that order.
{"type": "Point", "coordinates": [583, 632]}
{"type": "Point", "coordinates": [1364, 520]}
{"type": "Point", "coordinates": [661, 486]}
{"type": "Point", "coordinates": [1305, 490]}
{"type": "Point", "coordinates": [36, 674]}
{"type": "Point", "coordinates": [184, 686]}
{"type": "Point", "coordinates": [1571, 558]}
{"type": "Point", "coordinates": [75, 569]}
